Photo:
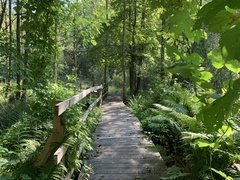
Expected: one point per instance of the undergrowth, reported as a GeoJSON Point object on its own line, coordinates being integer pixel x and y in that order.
{"type": "Point", "coordinates": [168, 116]}
{"type": "Point", "coordinates": [30, 126]}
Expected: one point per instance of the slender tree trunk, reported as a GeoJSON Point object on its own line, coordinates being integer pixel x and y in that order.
{"type": "Point", "coordinates": [9, 65]}
{"type": "Point", "coordinates": [106, 62]}
{"type": "Point", "coordinates": [124, 97]}
{"type": "Point", "coordinates": [162, 58]}
{"type": "Point", "coordinates": [75, 54]}
{"type": "Point", "coordinates": [25, 60]}
{"type": "Point", "coordinates": [132, 67]}
{"type": "Point", "coordinates": [18, 33]}
{"type": "Point", "coordinates": [55, 65]}
{"type": "Point", "coordinates": [140, 58]}
{"type": "Point", "coordinates": [4, 6]}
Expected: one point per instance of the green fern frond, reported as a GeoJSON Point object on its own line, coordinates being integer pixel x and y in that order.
{"type": "Point", "coordinates": [177, 107]}
{"type": "Point", "coordinates": [193, 136]}
{"type": "Point", "coordinates": [162, 108]}
{"type": "Point", "coordinates": [176, 173]}
{"type": "Point", "coordinates": [158, 119]}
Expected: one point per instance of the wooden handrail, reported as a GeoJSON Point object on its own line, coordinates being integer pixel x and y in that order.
{"type": "Point", "coordinates": [64, 105]}
{"type": "Point", "coordinates": [59, 128]}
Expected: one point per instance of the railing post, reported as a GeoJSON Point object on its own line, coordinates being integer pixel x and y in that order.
{"type": "Point", "coordinates": [105, 90]}
{"type": "Point", "coordinates": [57, 136]}
{"type": "Point", "coordinates": [99, 92]}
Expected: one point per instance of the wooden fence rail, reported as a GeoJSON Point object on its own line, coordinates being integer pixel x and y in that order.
{"type": "Point", "coordinates": [59, 128]}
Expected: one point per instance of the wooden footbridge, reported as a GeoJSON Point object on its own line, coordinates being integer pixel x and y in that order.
{"type": "Point", "coordinates": [121, 149]}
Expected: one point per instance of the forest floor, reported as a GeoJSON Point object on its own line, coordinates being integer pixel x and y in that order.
{"type": "Point", "coordinates": [121, 149]}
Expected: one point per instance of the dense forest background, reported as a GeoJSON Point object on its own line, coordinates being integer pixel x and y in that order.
{"type": "Point", "coordinates": [175, 63]}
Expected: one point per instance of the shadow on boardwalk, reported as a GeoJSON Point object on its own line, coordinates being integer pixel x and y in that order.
{"type": "Point", "coordinates": [120, 149]}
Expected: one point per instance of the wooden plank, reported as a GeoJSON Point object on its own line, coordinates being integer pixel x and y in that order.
{"type": "Point", "coordinates": [70, 173]}
{"type": "Point", "coordinates": [57, 136]}
{"type": "Point", "coordinates": [118, 176]}
{"type": "Point", "coordinates": [90, 108]}
{"type": "Point", "coordinates": [62, 106]}
{"type": "Point", "coordinates": [59, 154]}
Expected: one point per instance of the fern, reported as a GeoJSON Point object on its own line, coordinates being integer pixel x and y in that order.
{"type": "Point", "coordinates": [176, 173]}
{"type": "Point", "coordinates": [193, 136]}
{"type": "Point", "coordinates": [176, 106]}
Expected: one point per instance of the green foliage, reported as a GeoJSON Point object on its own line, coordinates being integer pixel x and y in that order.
{"type": "Point", "coordinates": [176, 173]}
{"type": "Point", "coordinates": [222, 17]}
{"type": "Point", "coordinates": [44, 97]}
{"type": "Point", "coordinates": [214, 114]}
{"type": "Point", "coordinates": [21, 143]}
{"type": "Point", "coordinates": [197, 150]}
{"type": "Point", "coordinates": [79, 135]}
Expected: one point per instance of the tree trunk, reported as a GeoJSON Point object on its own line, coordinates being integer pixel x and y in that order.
{"type": "Point", "coordinates": [124, 97]}
{"type": "Point", "coordinates": [162, 59]}
{"type": "Point", "coordinates": [132, 67]}
{"type": "Point", "coordinates": [106, 63]}
{"type": "Point", "coordinates": [75, 54]}
{"type": "Point", "coordinates": [140, 57]}
{"type": "Point", "coordinates": [25, 60]}
{"type": "Point", "coordinates": [55, 65]}
{"type": "Point", "coordinates": [4, 6]}
{"type": "Point", "coordinates": [138, 79]}
{"type": "Point", "coordinates": [18, 33]}
{"type": "Point", "coordinates": [9, 63]}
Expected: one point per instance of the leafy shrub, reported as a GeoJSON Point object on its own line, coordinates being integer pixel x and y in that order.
{"type": "Point", "coordinates": [43, 99]}
{"type": "Point", "coordinates": [23, 140]}
{"type": "Point", "coordinates": [168, 115]}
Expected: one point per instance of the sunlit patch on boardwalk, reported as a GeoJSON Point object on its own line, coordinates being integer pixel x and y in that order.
{"type": "Point", "coordinates": [120, 148]}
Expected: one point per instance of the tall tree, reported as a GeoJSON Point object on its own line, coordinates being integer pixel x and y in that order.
{"type": "Point", "coordinates": [18, 38]}
{"type": "Point", "coordinates": [132, 65]}
{"type": "Point", "coordinates": [2, 15]}
{"type": "Point", "coordinates": [9, 63]}
{"type": "Point", "coordinates": [106, 62]}
{"type": "Point", "coordinates": [124, 96]}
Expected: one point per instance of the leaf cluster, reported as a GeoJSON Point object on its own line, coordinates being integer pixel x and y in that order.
{"type": "Point", "coordinates": [196, 149]}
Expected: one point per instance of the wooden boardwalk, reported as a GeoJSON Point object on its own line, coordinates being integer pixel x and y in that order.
{"type": "Point", "coordinates": [120, 148]}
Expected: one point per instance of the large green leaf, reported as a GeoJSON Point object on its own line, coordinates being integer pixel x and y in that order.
{"type": "Point", "coordinates": [206, 76]}
{"type": "Point", "coordinates": [233, 66]}
{"type": "Point", "coordinates": [211, 9]}
{"type": "Point", "coordinates": [221, 22]}
{"type": "Point", "coordinates": [230, 43]}
{"type": "Point", "coordinates": [173, 52]}
{"type": "Point", "coordinates": [185, 70]}
{"type": "Point", "coordinates": [204, 143]}
{"type": "Point", "coordinates": [194, 58]}
{"type": "Point", "coordinates": [215, 113]}
{"type": "Point", "coordinates": [216, 59]}
{"type": "Point", "coordinates": [180, 23]}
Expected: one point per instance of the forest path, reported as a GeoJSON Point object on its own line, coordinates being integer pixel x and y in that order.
{"type": "Point", "coordinates": [120, 148]}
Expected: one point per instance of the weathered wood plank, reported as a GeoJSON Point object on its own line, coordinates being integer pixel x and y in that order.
{"type": "Point", "coordinates": [125, 177]}
{"type": "Point", "coordinates": [90, 108]}
{"type": "Point", "coordinates": [62, 106]}
{"type": "Point", "coordinates": [58, 155]}
{"type": "Point", "coordinates": [57, 136]}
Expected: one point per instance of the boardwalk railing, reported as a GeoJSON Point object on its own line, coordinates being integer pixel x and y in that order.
{"type": "Point", "coordinates": [59, 128]}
